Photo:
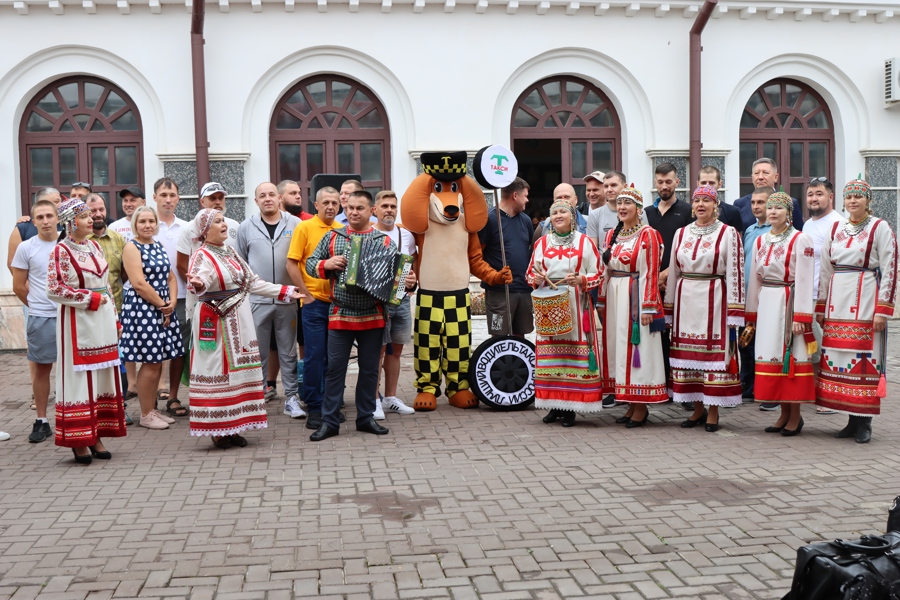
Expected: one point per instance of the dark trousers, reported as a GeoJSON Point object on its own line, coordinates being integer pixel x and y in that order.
{"type": "Point", "coordinates": [748, 367]}
{"type": "Point", "coordinates": [315, 356]}
{"type": "Point", "coordinates": [368, 351]}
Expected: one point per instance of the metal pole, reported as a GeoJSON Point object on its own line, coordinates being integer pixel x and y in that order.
{"type": "Point", "coordinates": [503, 258]}
{"type": "Point", "coordinates": [198, 66]}
{"type": "Point", "coordinates": [695, 145]}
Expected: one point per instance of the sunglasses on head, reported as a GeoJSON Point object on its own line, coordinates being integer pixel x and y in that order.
{"type": "Point", "coordinates": [82, 184]}
{"type": "Point", "coordinates": [819, 180]}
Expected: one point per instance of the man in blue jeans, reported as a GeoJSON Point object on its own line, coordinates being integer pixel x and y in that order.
{"type": "Point", "coordinates": [355, 316]}
{"type": "Point", "coordinates": [316, 305]}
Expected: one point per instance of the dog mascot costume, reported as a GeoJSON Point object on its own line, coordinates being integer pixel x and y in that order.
{"type": "Point", "coordinates": [445, 209]}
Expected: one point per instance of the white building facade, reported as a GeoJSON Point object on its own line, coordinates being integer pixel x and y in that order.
{"type": "Point", "coordinates": [101, 92]}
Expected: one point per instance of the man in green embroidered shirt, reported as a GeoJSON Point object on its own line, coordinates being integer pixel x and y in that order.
{"type": "Point", "coordinates": [110, 242]}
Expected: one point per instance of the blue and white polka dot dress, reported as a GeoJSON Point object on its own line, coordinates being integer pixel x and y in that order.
{"type": "Point", "coordinates": [144, 340]}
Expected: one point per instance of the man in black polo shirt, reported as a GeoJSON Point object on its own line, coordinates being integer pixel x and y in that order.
{"type": "Point", "coordinates": [517, 233]}
{"type": "Point", "coordinates": [667, 215]}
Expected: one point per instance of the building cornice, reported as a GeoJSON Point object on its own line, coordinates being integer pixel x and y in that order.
{"type": "Point", "coordinates": [879, 11]}
{"type": "Point", "coordinates": [179, 157]}
{"type": "Point", "coordinates": [875, 153]}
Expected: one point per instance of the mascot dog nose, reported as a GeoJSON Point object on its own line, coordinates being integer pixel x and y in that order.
{"type": "Point", "coordinates": [451, 211]}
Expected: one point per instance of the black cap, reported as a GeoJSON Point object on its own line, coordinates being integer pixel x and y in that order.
{"type": "Point", "coordinates": [134, 191]}
{"type": "Point", "coordinates": [445, 166]}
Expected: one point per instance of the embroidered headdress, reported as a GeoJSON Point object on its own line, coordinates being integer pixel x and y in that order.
{"type": "Point", "coordinates": [204, 221]}
{"type": "Point", "coordinates": [783, 200]}
{"type": "Point", "coordinates": [858, 187]}
{"type": "Point", "coordinates": [566, 205]}
{"type": "Point", "coordinates": [67, 212]}
{"type": "Point", "coordinates": [706, 191]}
{"type": "Point", "coordinates": [632, 194]}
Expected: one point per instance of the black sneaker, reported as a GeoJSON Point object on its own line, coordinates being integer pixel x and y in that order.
{"type": "Point", "coordinates": [769, 406]}
{"type": "Point", "coordinates": [609, 401]}
{"type": "Point", "coordinates": [40, 431]}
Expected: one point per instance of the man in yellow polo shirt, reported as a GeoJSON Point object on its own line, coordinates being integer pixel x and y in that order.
{"type": "Point", "coordinates": [314, 316]}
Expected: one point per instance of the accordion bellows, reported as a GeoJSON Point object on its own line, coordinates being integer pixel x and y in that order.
{"type": "Point", "coordinates": [375, 271]}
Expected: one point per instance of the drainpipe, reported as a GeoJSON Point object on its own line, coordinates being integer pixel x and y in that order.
{"type": "Point", "coordinates": [201, 137]}
{"type": "Point", "coordinates": [696, 49]}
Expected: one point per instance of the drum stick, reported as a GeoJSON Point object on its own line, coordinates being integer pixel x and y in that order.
{"type": "Point", "coordinates": [503, 258]}
{"type": "Point", "coordinates": [547, 279]}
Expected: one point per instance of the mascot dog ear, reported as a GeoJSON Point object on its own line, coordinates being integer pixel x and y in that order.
{"type": "Point", "coordinates": [414, 203]}
{"type": "Point", "coordinates": [474, 205]}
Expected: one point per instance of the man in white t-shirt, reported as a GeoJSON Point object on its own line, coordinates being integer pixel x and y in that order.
{"type": "Point", "coordinates": [165, 194]}
{"type": "Point", "coordinates": [822, 217]}
{"type": "Point", "coordinates": [399, 328]}
{"type": "Point", "coordinates": [212, 195]}
{"type": "Point", "coordinates": [29, 267]}
{"type": "Point", "coordinates": [132, 197]}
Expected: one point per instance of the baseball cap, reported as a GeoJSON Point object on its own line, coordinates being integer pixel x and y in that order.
{"type": "Point", "coordinates": [134, 191]}
{"type": "Point", "coordinates": [598, 175]}
{"type": "Point", "coordinates": [211, 188]}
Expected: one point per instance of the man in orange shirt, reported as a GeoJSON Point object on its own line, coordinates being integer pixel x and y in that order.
{"type": "Point", "coordinates": [317, 301]}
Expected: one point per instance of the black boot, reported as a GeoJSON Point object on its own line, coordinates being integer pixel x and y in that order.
{"type": "Point", "coordinates": [552, 416]}
{"type": "Point", "coordinates": [864, 430]}
{"type": "Point", "coordinates": [850, 430]}
{"type": "Point", "coordinates": [567, 418]}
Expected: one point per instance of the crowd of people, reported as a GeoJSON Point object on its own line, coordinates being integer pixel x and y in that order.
{"type": "Point", "coordinates": [635, 302]}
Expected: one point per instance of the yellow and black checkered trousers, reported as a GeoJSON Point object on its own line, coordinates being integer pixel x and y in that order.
{"type": "Point", "coordinates": [443, 341]}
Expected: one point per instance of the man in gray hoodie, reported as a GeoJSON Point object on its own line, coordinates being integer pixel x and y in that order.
{"type": "Point", "coordinates": [263, 241]}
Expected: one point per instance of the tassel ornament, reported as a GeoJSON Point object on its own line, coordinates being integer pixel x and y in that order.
{"type": "Point", "coordinates": [881, 391]}
{"type": "Point", "coordinates": [592, 360]}
{"type": "Point", "coordinates": [636, 358]}
{"type": "Point", "coordinates": [786, 364]}
{"type": "Point", "coordinates": [635, 333]}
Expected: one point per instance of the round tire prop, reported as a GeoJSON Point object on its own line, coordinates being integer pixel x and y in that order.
{"type": "Point", "coordinates": [501, 372]}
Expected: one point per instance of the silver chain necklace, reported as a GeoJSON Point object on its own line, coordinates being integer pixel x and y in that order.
{"type": "Point", "coordinates": [775, 238]}
{"type": "Point", "coordinates": [853, 229]}
{"type": "Point", "coordinates": [701, 230]}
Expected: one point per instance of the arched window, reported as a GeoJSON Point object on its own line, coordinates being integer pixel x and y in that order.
{"type": "Point", "coordinates": [81, 129]}
{"type": "Point", "coordinates": [330, 124]}
{"type": "Point", "coordinates": [789, 122]}
{"type": "Point", "coordinates": [562, 129]}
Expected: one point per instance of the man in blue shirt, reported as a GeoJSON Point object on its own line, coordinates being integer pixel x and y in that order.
{"type": "Point", "coordinates": [765, 174]}
{"type": "Point", "coordinates": [760, 227]}
{"type": "Point", "coordinates": [517, 232]}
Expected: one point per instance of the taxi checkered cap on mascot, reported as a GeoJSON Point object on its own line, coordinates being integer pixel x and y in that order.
{"type": "Point", "coordinates": [445, 166]}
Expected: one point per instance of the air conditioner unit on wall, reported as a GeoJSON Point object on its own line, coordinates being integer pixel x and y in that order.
{"type": "Point", "coordinates": [892, 81]}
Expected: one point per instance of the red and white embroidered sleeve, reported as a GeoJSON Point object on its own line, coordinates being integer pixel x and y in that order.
{"type": "Point", "coordinates": [734, 277]}
{"type": "Point", "coordinates": [652, 247]}
{"type": "Point", "coordinates": [886, 245]}
{"type": "Point", "coordinates": [61, 274]}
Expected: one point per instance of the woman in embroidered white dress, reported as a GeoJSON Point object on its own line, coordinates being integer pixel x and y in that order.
{"type": "Point", "coordinates": [780, 307]}
{"type": "Point", "coordinates": [857, 291]}
{"type": "Point", "coordinates": [631, 304]}
{"type": "Point", "coordinates": [704, 307]}
{"type": "Point", "coordinates": [567, 374]}
{"type": "Point", "coordinates": [88, 390]}
{"type": "Point", "coordinates": [226, 395]}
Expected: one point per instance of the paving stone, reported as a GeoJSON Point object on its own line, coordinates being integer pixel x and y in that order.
{"type": "Point", "coordinates": [452, 504]}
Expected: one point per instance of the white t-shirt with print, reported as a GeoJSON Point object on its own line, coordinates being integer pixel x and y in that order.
{"type": "Point", "coordinates": [33, 255]}
{"type": "Point", "coordinates": [818, 230]}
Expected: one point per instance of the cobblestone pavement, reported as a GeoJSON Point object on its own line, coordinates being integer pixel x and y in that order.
{"type": "Point", "coordinates": [452, 504]}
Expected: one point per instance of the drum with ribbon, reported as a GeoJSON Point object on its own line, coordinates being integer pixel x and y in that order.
{"type": "Point", "coordinates": [552, 312]}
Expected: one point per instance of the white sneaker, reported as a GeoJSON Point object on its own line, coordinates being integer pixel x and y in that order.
{"type": "Point", "coordinates": [292, 408]}
{"type": "Point", "coordinates": [379, 412]}
{"type": "Point", "coordinates": [151, 421]}
{"type": "Point", "coordinates": [3, 436]}
{"type": "Point", "coordinates": [164, 418]}
{"type": "Point", "coordinates": [395, 405]}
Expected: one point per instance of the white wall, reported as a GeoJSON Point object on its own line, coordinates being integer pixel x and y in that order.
{"type": "Point", "coordinates": [447, 81]}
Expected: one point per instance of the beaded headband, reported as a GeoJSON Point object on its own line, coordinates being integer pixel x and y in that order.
{"type": "Point", "coordinates": [632, 194]}
{"type": "Point", "coordinates": [70, 209]}
{"type": "Point", "coordinates": [858, 187]}
{"type": "Point", "coordinates": [706, 191]}
{"type": "Point", "coordinates": [781, 199]}
{"type": "Point", "coordinates": [565, 204]}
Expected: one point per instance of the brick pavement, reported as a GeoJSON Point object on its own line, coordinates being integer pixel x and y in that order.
{"type": "Point", "coordinates": [452, 504]}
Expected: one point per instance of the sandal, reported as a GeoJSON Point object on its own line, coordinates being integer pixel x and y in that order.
{"type": "Point", "coordinates": [162, 395]}
{"type": "Point", "coordinates": [129, 395]}
{"type": "Point", "coordinates": [178, 411]}
{"type": "Point", "coordinates": [223, 442]}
